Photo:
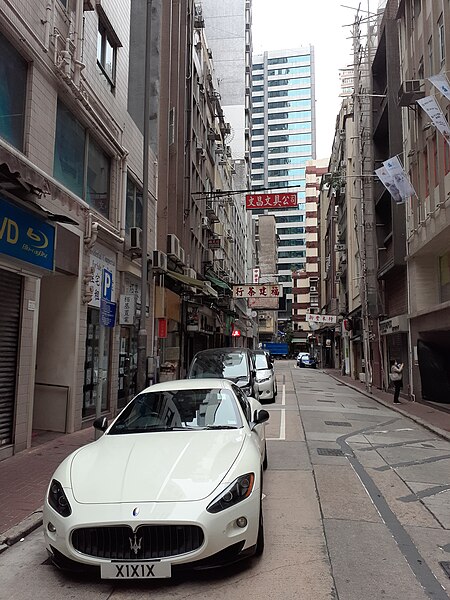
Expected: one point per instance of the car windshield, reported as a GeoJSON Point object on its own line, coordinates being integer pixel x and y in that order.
{"type": "Point", "coordinates": [261, 361]}
{"type": "Point", "coordinates": [175, 410]}
{"type": "Point", "coordinates": [227, 365]}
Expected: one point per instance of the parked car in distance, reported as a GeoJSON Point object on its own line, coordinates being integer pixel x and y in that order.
{"type": "Point", "coordinates": [175, 481]}
{"type": "Point", "coordinates": [265, 376]}
{"type": "Point", "coordinates": [307, 360]}
{"type": "Point", "coordinates": [235, 364]}
{"type": "Point", "coordinates": [299, 356]}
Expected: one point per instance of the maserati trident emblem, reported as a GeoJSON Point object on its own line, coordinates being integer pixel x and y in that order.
{"type": "Point", "coordinates": [135, 545]}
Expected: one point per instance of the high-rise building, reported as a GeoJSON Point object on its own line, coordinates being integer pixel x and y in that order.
{"type": "Point", "coordinates": [283, 140]}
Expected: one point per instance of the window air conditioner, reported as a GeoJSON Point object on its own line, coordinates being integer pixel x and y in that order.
{"type": "Point", "coordinates": [193, 275]}
{"type": "Point", "coordinates": [173, 247]}
{"type": "Point", "coordinates": [182, 257]}
{"type": "Point", "coordinates": [410, 91]}
{"type": "Point", "coordinates": [159, 262]}
{"type": "Point", "coordinates": [135, 238]}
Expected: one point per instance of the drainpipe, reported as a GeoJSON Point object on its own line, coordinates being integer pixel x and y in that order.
{"type": "Point", "coordinates": [78, 38]}
{"type": "Point", "coordinates": [123, 208]}
{"type": "Point", "coordinates": [47, 26]}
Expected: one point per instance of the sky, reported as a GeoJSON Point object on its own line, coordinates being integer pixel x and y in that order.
{"type": "Point", "coordinates": [286, 24]}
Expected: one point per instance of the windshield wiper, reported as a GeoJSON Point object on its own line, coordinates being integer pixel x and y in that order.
{"type": "Point", "coordinates": [221, 427]}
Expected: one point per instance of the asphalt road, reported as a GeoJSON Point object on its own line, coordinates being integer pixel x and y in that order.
{"type": "Point", "coordinates": [356, 507]}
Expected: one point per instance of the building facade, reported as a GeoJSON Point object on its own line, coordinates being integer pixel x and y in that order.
{"type": "Point", "coordinates": [283, 140]}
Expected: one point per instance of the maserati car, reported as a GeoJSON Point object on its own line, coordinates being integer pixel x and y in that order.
{"type": "Point", "coordinates": [175, 481]}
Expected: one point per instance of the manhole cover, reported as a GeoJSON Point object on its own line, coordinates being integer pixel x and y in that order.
{"type": "Point", "coordinates": [329, 452]}
{"type": "Point", "coordinates": [338, 423]}
{"type": "Point", "coordinates": [446, 566]}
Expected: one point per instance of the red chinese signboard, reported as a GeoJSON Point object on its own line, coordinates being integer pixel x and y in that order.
{"type": "Point", "coordinates": [162, 328]}
{"type": "Point", "coordinates": [214, 243]}
{"type": "Point", "coordinates": [260, 201]}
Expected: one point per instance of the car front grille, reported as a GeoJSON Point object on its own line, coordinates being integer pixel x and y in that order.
{"type": "Point", "coordinates": [147, 542]}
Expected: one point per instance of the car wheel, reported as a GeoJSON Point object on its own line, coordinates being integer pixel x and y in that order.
{"type": "Point", "coordinates": [260, 540]}
{"type": "Point", "coordinates": [265, 461]}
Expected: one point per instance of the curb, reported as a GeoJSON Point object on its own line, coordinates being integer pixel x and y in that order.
{"type": "Point", "coordinates": [21, 530]}
{"type": "Point", "coordinates": [440, 432]}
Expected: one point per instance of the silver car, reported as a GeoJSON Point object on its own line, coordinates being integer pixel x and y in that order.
{"type": "Point", "coordinates": [265, 376]}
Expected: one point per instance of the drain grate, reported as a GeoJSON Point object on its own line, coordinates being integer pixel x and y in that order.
{"type": "Point", "coordinates": [369, 407]}
{"type": "Point", "coordinates": [329, 452]}
{"type": "Point", "coordinates": [334, 401]}
{"type": "Point", "coordinates": [446, 566]}
{"type": "Point", "coordinates": [338, 423]}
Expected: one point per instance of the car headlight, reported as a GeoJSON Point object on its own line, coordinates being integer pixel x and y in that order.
{"type": "Point", "coordinates": [240, 489]}
{"type": "Point", "coordinates": [58, 500]}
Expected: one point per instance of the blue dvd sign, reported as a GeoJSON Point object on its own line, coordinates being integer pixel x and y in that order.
{"type": "Point", "coordinates": [25, 236]}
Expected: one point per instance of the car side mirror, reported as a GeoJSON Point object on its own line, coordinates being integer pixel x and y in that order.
{"type": "Point", "coordinates": [261, 417]}
{"type": "Point", "coordinates": [101, 424]}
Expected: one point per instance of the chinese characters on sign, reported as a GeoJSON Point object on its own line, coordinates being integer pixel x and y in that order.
{"type": "Point", "coordinates": [257, 291]}
{"type": "Point", "coordinates": [258, 201]}
{"type": "Point", "coordinates": [321, 318]}
{"type": "Point", "coordinates": [127, 309]}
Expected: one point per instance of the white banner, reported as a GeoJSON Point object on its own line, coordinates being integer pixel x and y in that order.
{"type": "Point", "coordinates": [442, 84]}
{"type": "Point", "coordinates": [401, 181]}
{"type": "Point", "coordinates": [310, 318]}
{"type": "Point", "coordinates": [388, 182]}
{"type": "Point", "coordinates": [430, 105]}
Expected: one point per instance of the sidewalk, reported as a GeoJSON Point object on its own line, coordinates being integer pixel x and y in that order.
{"type": "Point", "coordinates": [432, 418]}
{"type": "Point", "coordinates": [23, 482]}
{"type": "Point", "coordinates": [24, 477]}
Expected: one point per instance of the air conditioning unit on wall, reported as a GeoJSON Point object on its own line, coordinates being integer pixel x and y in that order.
{"type": "Point", "coordinates": [173, 247]}
{"type": "Point", "coordinates": [159, 262]}
{"type": "Point", "coordinates": [135, 238]}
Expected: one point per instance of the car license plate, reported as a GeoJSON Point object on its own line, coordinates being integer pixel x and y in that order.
{"type": "Point", "coordinates": [136, 570]}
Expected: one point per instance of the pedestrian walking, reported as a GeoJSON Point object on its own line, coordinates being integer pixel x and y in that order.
{"type": "Point", "coordinates": [396, 376]}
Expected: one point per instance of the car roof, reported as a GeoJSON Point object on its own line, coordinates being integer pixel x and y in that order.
{"type": "Point", "coordinates": [222, 350]}
{"type": "Point", "coordinates": [189, 384]}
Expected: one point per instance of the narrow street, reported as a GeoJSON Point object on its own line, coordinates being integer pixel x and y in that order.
{"type": "Point", "coordinates": [357, 506]}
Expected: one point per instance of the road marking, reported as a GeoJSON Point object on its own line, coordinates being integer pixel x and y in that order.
{"type": "Point", "coordinates": [282, 436]}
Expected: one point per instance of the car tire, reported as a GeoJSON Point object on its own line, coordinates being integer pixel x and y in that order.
{"type": "Point", "coordinates": [260, 539]}
{"type": "Point", "coordinates": [275, 392]}
{"type": "Point", "coordinates": [265, 461]}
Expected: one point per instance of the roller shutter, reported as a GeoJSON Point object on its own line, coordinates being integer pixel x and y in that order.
{"type": "Point", "coordinates": [10, 307]}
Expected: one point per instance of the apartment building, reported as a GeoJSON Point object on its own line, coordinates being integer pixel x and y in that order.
{"type": "Point", "coordinates": [425, 52]}
{"type": "Point", "coordinates": [70, 196]}
{"type": "Point", "coordinates": [283, 141]}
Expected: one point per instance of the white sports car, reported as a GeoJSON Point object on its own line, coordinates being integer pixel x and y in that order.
{"type": "Point", "coordinates": [175, 481]}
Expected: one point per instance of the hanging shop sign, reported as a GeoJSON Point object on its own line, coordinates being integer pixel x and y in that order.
{"type": "Point", "coordinates": [259, 201]}
{"type": "Point", "coordinates": [257, 291]}
{"type": "Point", "coordinates": [397, 324]}
{"type": "Point", "coordinates": [25, 236]}
{"type": "Point", "coordinates": [107, 307]}
{"type": "Point", "coordinates": [311, 318]}
{"type": "Point", "coordinates": [214, 243]}
{"type": "Point", "coordinates": [127, 309]}
{"type": "Point", "coordinates": [100, 260]}
{"type": "Point", "coordinates": [162, 328]}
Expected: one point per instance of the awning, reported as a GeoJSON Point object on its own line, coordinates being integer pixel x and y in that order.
{"type": "Point", "coordinates": [216, 281]}
{"type": "Point", "coordinates": [299, 340]}
{"type": "Point", "coordinates": [193, 282]}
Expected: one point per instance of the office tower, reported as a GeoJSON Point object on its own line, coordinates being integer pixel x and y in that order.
{"type": "Point", "coordinates": [283, 140]}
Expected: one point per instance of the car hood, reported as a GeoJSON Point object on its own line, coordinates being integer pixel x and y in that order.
{"type": "Point", "coordinates": [174, 466]}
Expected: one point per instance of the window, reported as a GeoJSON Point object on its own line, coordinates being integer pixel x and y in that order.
{"type": "Point", "coordinates": [87, 179]}
{"type": "Point", "coordinates": [134, 206]}
{"type": "Point", "coordinates": [13, 88]}
{"type": "Point", "coordinates": [441, 34]}
{"type": "Point", "coordinates": [258, 121]}
{"type": "Point", "coordinates": [256, 132]}
{"type": "Point", "coordinates": [107, 44]}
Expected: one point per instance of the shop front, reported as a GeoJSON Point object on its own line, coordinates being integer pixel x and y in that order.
{"type": "Point", "coordinates": [394, 337]}
{"type": "Point", "coordinates": [100, 323]}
